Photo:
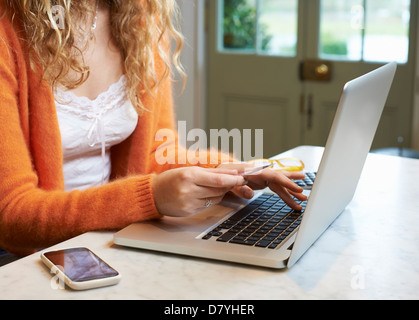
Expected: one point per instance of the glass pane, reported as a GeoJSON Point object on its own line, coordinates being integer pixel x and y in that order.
{"type": "Point", "coordinates": [369, 30]}
{"type": "Point", "coordinates": [387, 30]}
{"type": "Point", "coordinates": [341, 25]}
{"type": "Point", "coordinates": [239, 24]}
{"type": "Point", "coordinates": [278, 27]}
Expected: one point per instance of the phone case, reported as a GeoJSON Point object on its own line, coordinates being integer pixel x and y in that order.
{"type": "Point", "coordinates": [80, 285]}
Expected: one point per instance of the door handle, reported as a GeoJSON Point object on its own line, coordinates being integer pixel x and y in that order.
{"type": "Point", "coordinates": [322, 70]}
{"type": "Point", "coordinates": [316, 70]}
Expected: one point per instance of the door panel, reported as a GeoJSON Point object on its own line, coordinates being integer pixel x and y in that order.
{"type": "Point", "coordinates": [240, 108]}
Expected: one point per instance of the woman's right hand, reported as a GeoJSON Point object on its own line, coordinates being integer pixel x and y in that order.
{"type": "Point", "coordinates": [187, 191]}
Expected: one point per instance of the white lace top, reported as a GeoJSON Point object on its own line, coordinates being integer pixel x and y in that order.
{"type": "Point", "coordinates": [89, 128]}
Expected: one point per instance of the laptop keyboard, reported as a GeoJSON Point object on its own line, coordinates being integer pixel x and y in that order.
{"type": "Point", "coordinates": [264, 223]}
{"type": "Point", "coordinates": [308, 182]}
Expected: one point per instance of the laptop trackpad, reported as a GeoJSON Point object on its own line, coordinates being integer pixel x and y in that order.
{"type": "Point", "coordinates": [194, 224]}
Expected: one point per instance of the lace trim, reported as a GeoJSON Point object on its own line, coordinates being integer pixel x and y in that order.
{"type": "Point", "coordinates": [94, 110]}
{"type": "Point", "coordinates": [113, 98]}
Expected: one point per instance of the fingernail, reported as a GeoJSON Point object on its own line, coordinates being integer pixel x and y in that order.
{"type": "Point", "coordinates": [249, 193]}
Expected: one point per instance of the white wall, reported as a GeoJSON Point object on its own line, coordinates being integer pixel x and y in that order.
{"type": "Point", "coordinates": [415, 130]}
{"type": "Point", "coordinates": [191, 104]}
{"type": "Point", "coordinates": [415, 127]}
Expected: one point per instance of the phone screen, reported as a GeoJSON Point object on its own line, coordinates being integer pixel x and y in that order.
{"type": "Point", "coordinates": [81, 264]}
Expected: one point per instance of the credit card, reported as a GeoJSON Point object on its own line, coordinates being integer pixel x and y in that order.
{"type": "Point", "coordinates": [255, 171]}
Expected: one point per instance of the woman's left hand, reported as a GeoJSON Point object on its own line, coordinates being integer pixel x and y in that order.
{"type": "Point", "coordinates": [278, 181]}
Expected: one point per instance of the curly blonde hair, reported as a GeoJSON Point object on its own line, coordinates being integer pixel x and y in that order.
{"type": "Point", "coordinates": [138, 27]}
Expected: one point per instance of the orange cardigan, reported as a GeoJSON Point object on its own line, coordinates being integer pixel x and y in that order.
{"type": "Point", "coordinates": [35, 211]}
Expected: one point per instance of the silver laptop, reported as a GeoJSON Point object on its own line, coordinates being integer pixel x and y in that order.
{"type": "Point", "coordinates": [263, 231]}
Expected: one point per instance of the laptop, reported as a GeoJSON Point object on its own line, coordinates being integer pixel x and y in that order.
{"type": "Point", "coordinates": [263, 231]}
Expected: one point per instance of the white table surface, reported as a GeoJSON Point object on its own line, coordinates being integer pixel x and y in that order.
{"type": "Point", "coordinates": [370, 252]}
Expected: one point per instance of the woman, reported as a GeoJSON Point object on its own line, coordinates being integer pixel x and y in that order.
{"type": "Point", "coordinates": [85, 86]}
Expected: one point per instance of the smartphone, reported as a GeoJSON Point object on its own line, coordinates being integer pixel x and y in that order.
{"type": "Point", "coordinates": [80, 268]}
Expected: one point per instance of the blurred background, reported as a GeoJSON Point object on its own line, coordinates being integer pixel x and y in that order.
{"type": "Point", "coordinates": [280, 65]}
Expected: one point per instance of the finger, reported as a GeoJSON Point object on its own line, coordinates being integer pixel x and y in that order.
{"type": "Point", "coordinates": [294, 175]}
{"type": "Point", "coordinates": [257, 186]}
{"type": "Point", "coordinates": [285, 181]}
{"type": "Point", "coordinates": [223, 171]}
{"type": "Point", "coordinates": [210, 201]}
{"type": "Point", "coordinates": [287, 196]}
{"type": "Point", "coordinates": [240, 167]}
{"type": "Point", "coordinates": [289, 200]}
{"type": "Point", "coordinates": [272, 177]}
{"type": "Point", "coordinates": [299, 196]}
{"type": "Point", "coordinates": [206, 178]}
{"type": "Point", "coordinates": [244, 192]}
{"type": "Point", "coordinates": [286, 188]}
{"type": "Point", "coordinates": [257, 183]}
{"type": "Point", "coordinates": [209, 192]}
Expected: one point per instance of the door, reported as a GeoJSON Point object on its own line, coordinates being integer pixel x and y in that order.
{"type": "Point", "coordinates": [358, 36]}
{"type": "Point", "coordinates": [253, 85]}
{"type": "Point", "coordinates": [280, 65]}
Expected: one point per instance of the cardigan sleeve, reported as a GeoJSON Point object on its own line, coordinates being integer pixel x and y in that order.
{"type": "Point", "coordinates": [33, 217]}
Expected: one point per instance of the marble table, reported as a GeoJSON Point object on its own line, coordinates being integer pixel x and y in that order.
{"type": "Point", "coordinates": [370, 252]}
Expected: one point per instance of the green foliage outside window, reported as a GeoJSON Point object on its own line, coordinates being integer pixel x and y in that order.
{"type": "Point", "coordinates": [333, 46]}
{"type": "Point", "coordinates": [240, 26]}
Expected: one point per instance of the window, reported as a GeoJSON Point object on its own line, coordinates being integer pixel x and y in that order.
{"type": "Point", "coordinates": [350, 30]}
{"type": "Point", "coordinates": [266, 27]}
{"type": "Point", "coordinates": [367, 30]}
